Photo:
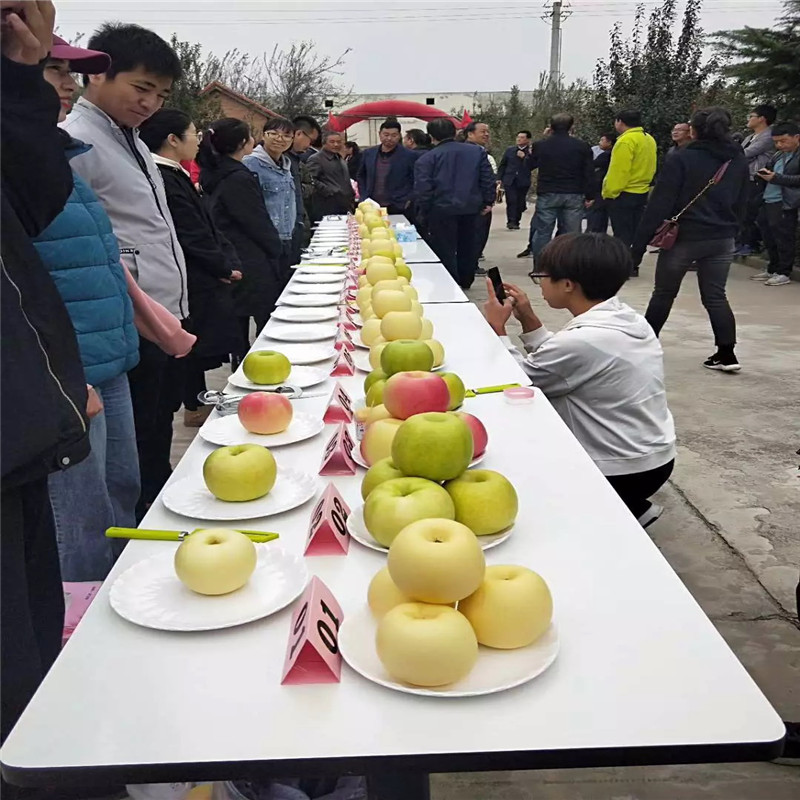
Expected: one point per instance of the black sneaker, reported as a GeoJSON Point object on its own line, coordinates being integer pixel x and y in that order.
{"type": "Point", "coordinates": [481, 257]}
{"type": "Point", "coordinates": [525, 253]}
{"type": "Point", "coordinates": [723, 362]}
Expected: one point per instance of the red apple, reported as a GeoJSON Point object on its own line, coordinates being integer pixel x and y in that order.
{"type": "Point", "coordinates": [480, 437]}
{"type": "Point", "coordinates": [409, 393]}
{"type": "Point", "coordinates": [265, 412]}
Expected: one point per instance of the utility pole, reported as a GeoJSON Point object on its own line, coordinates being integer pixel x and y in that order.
{"type": "Point", "coordinates": [556, 16]}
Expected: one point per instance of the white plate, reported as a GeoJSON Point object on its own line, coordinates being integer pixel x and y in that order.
{"type": "Point", "coordinates": [190, 498]}
{"type": "Point", "coordinates": [320, 259]}
{"type": "Point", "coordinates": [494, 671]}
{"type": "Point", "coordinates": [356, 336]}
{"type": "Point", "coordinates": [318, 269]}
{"type": "Point", "coordinates": [315, 288]}
{"type": "Point", "coordinates": [150, 594]}
{"type": "Point", "coordinates": [303, 353]}
{"type": "Point", "coordinates": [292, 314]}
{"type": "Point", "coordinates": [317, 277]}
{"type": "Point", "coordinates": [298, 333]}
{"type": "Point", "coordinates": [228, 430]}
{"type": "Point", "coordinates": [358, 530]}
{"type": "Point", "coordinates": [306, 300]}
{"type": "Point", "coordinates": [361, 361]}
{"type": "Point", "coordinates": [302, 377]}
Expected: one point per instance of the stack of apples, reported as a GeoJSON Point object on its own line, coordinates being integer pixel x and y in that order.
{"type": "Point", "coordinates": [436, 601]}
{"type": "Point", "coordinates": [419, 453]}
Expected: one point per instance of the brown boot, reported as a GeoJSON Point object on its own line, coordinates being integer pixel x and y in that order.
{"type": "Point", "coordinates": [195, 419]}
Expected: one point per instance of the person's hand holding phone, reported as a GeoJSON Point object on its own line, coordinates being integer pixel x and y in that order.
{"type": "Point", "coordinates": [497, 314]}
{"type": "Point", "coordinates": [523, 310]}
{"type": "Point", "coordinates": [26, 30]}
{"type": "Point", "coordinates": [766, 174]}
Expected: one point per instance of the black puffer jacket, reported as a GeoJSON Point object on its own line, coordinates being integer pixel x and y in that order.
{"type": "Point", "coordinates": [44, 425]}
{"type": "Point", "coordinates": [717, 214]}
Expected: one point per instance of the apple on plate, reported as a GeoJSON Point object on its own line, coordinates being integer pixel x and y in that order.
{"type": "Point", "coordinates": [380, 472]}
{"type": "Point", "coordinates": [370, 331]}
{"type": "Point", "coordinates": [456, 388]}
{"type": "Point", "coordinates": [396, 503]}
{"type": "Point", "coordinates": [437, 446]}
{"type": "Point", "coordinates": [480, 437]}
{"type": "Point", "coordinates": [409, 393]}
{"type": "Point", "coordinates": [266, 367]}
{"type": "Point", "coordinates": [402, 268]}
{"type": "Point", "coordinates": [375, 353]}
{"type": "Point", "coordinates": [381, 246]}
{"type": "Point", "coordinates": [400, 325]}
{"type": "Point", "coordinates": [382, 286]}
{"type": "Point", "coordinates": [240, 472]}
{"type": "Point", "coordinates": [511, 608]}
{"type": "Point", "coordinates": [485, 501]}
{"type": "Point", "coordinates": [380, 271]}
{"type": "Point", "coordinates": [375, 394]}
{"type": "Point", "coordinates": [377, 441]}
{"type": "Point", "coordinates": [405, 355]}
{"type": "Point", "coordinates": [265, 412]}
{"type": "Point", "coordinates": [426, 645]}
{"type": "Point", "coordinates": [383, 595]}
{"type": "Point", "coordinates": [363, 296]}
{"type": "Point", "coordinates": [427, 329]}
{"type": "Point", "coordinates": [390, 300]}
{"type": "Point", "coordinates": [438, 351]}
{"type": "Point", "coordinates": [375, 375]}
{"type": "Point", "coordinates": [215, 561]}
{"type": "Point", "coordinates": [411, 292]}
{"type": "Point", "coordinates": [416, 308]}
{"type": "Point", "coordinates": [435, 560]}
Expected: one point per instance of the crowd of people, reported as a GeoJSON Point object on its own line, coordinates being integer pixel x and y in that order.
{"type": "Point", "coordinates": [138, 251]}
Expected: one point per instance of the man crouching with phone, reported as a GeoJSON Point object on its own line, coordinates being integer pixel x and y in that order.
{"type": "Point", "coordinates": [604, 371]}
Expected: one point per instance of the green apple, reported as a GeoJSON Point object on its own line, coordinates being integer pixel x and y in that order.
{"type": "Point", "coordinates": [402, 268]}
{"type": "Point", "coordinates": [406, 355]}
{"type": "Point", "coordinates": [456, 388]}
{"type": "Point", "coordinates": [511, 608]}
{"type": "Point", "coordinates": [437, 446]}
{"type": "Point", "coordinates": [375, 393]}
{"type": "Point", "coordinates": [215, 561]}
{"type": "Point", "coordinates": [266, 367]}
{"type": "Point", "coordinates": [398, 502]}
{"type": "Point", "coordinates": [485, 501]}
{"type": "Point", "coordinates": [436, 561]}
{"type": "Point", "coordinates": [380, 472]}
{"type": "Point", "coordinates": [375, 375]}
{"type": "Point", "coordinates": [426, 645]}
{"type": "Point", "coordinates": [383, 595]}
{"type": "Point", "coordinates": [240, 472]}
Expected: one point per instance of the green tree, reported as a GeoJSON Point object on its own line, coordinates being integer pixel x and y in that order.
{"type": "Point", "coordinates": [765, 62]}
{"type": "Point", "coordinates": [653, 71]}
{"type": "Point", "coordinates": [185, 93]}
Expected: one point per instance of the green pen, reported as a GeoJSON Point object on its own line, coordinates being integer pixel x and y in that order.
{"type": "Point", "coordinates": [178, 536]}
{"type": "Point", "coordinates": [490, 389]}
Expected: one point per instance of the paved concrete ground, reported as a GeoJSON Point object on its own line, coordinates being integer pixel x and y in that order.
{"type": "Point", "coordinates": [731, 529]}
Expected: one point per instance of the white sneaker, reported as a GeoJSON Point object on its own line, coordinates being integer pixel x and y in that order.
{"type": "Point", "coordinates": [778, 280]}
{"type": "Point", "coordinates": [761, 276]}
{"type": "Point", "coordinates": [651, 515]}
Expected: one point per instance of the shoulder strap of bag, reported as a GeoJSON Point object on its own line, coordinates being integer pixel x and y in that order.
{"type": "Point", "coordinates": [718, 176]}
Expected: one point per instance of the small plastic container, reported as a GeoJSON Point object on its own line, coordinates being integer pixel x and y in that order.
{"type": "Point", "coordinates": [518, 395]}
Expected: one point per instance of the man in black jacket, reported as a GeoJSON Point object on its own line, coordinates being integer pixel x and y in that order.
{"type": "Point", "coordinates": [514, 173]}
{"type": "Point", "coordinates": [597, 215]}
{"type": "Point", "coordinates": [565, 167]}
{"type": "Point", "coordinates": [44, 393]}
{"type": "Point", "coordinates": [333, 193]}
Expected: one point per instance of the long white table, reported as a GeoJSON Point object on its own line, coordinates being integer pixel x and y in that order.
{"type": "Point", "coordinates": [642, 677]}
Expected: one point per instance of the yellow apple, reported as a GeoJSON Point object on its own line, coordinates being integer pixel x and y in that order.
{"type": "Point", "coordinates": [401, 279]}
{"type": "Point", "coordinates": [215, 561]}
{"type": "Point", "coordinates": [436, 560]}
{"type": "Point", "coordinates": [379, 235]}
{"type": "Point", "coordinates": [398, 250]}
{"type": "Point", "coordinates": [427, 329]}
{"type": "Point", "coordinates": [366, 250]}
{"type": "Point", "coordinates": [380, 271]}
{"type": "Point", "coordinates": [417, 308]}
{"type": "Point", "coordinates": [363, 296]}
{"type": "Point", "coordinates": [402, 268]}
{"type": "Point", "coordinates": [382, 247]}
{"type": "Point", "coordinates": [390, 300]}
{"type": "Point", "coordinates": [377, 412]}
{"type": "Point", "coordinates": [241, 472]}
{"type": "Point", "coordinates": [400, 325]}
{"type": "Point", "coordinates": [370, 331]}
{"type": "Point", "coordinates": [375, 355]}
{"type": "Point", "coordinates": [363, 230]}
{"type": "Point", "coordinates": [383, 595]}
{"type": "Point", "coordinates": [426, 645]}
{"type": "Point", "coordinates": [411, 292]}
{"type": "Point", "coordinates": [362, 281]}
{"type": "Point", "coordinates": [438, 351]}
{"type": "Point", "coordinates": [377, 441]}
{"type": "Point", "coordinates": [382, 286]}
{"type": "Point", "coordinates": [511, 608]}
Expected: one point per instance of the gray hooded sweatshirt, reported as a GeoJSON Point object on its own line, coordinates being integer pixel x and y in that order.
{"type": "Point", "coordinates": [604, 375]}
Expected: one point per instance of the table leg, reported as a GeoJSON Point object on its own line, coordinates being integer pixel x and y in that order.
{"type": "Point", "coordinates": [399, 786]}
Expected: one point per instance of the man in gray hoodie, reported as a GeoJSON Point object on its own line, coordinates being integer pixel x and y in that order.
{"type": "Point", "coordinates": [121, 171]}
{"type": "Point", "coordinates": [604, 371]}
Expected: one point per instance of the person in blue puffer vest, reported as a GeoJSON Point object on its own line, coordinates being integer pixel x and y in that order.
{"type": "Point", "coordinates": [80, 250]}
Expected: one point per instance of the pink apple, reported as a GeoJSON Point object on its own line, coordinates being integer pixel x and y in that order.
{"type": "Point", "coordinates": [409, 393]}
{"type": "Point", "coordinates": [480, 437]}
{"type": "Point", "coordinates": [265, 412]}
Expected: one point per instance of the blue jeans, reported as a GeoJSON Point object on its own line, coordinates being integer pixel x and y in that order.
{"type": "Point", "coordinates": [566, 209]}
{"type": "Point", "coordinates": [99, 492]}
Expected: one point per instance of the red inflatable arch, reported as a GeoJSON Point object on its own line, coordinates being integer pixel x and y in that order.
{"type": "Point", "coordinates": [390, 108]}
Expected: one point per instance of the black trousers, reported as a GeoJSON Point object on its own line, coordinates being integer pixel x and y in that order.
{"type": "Point", "coordinates": [597, 217]}
{"type": "Point", "coordinates": [453, 240]}
{"type": "Point", "coordinates": [483, 227]}
{"type": "Point", "coordinates": [515, 203]}
{"type": "Point", "coordinates": [779, 228]}
{"type": "Point", "coordinates": [626, 212]}
{"type": "Point", "coordinates": [157, 387]}
{"type": "Point", "coordinates": [636, 489]}
{"type": "Point", "coordinates": [749, 232]}
{"type": "Point", "coordinates": [32, 610]}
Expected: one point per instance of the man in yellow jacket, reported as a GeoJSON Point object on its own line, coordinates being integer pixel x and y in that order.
{"type": "Point", "coordinates": [627, 183]}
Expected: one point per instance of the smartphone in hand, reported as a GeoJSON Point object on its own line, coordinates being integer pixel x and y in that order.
{"type": "Point", "coordinates": [497, 283]}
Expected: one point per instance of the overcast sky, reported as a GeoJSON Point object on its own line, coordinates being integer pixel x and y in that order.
{"type": "Point", "coordinates": [409, 46]}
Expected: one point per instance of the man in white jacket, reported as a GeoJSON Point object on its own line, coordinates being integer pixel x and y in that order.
{"type": "Point", "coordinates": [604, 371]}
